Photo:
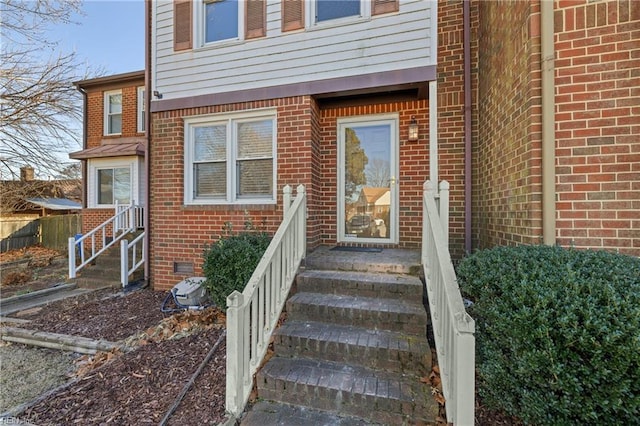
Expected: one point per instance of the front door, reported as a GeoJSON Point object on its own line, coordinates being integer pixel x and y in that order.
{"type": "Point", "coordinates": [367, 171]}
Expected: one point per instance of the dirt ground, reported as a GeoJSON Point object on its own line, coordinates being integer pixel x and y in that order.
{"type": "Point", "coordinates": [30, 269]}
{"type": "Point", "coordinates": [139, 384]}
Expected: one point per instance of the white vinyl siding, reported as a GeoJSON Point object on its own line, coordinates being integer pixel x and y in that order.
{"type": "Point", "coordinates": [230, 158]}
{"type": "Point", "coordinates": [344, 47]}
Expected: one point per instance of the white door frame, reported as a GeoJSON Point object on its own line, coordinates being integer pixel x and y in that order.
{"type": "Point", "coordinates": [394, 163]}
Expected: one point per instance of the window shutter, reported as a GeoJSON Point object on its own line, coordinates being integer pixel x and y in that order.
{"type": "Point", "coordinates": [292, 15]}
{"type": "Point", "coordinates": [255, 16]}
{"type": "Point", "coordinates": [182, 24]}
{"type": "Point", "coordinates": [384, 6]}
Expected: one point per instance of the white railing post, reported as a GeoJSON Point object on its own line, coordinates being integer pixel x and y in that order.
{"type": "Point", "coordinates": [132, 216]}
{"type": "Point", "coordinates": [235, 353]}
{"type": "Point", "coordinates": [124, 263]}
{"type": "Point", "coordinates": [444, 209]}
{"type": "Point", "coordinates": [286, 200]}
{"type": "Point", "coordinates": [72, 257]}
{"type": "Point", "coordinates": [302, 230]}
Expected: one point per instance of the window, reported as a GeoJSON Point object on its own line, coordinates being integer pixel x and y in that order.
{"type": "Point", "coordinates": [114, 184]}
{"type": "Point", "coordinates": [141, 112]}
{"type": "Point", "coordinates": [335, 9]}
{"type": "Point", "coordinates": [230, 160]}
{"type": "Point", "coordinates": [220, 20]}
{"type": "Point", "coordinates": [113, 113]}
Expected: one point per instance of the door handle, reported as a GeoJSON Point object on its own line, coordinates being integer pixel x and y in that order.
{"type": "Point", "coordinates": [392, 181]}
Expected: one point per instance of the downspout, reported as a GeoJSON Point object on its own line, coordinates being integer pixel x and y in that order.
{"type": "Point", "coordinates": [83, 163]}
{"type": "Point", "coordinates": [467, 125]}
{"type": "Point", "coordinates": [548, 123]}
{"type": "Point", "coordinates": [147, 127]}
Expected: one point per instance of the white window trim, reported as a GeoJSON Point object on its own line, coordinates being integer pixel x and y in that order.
{"type": "Point", "coordinates": [199, 26]}
{"type": "Point", "coordinates": [106, 129]}
{"type": "Point", "coordinates": [310, 16]}
{"type": "Point", "coordinates": [120, 163]}
{"type": "Point", "coordinates": [140, 109]}
{"type": "Point", "coordinates": [230, 119]}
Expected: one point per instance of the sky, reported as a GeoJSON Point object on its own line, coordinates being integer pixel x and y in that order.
{"type": "Point", "coordinates": [110, 35]}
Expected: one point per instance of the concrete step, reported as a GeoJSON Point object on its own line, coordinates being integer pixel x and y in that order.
{"type": "Point", "coordinates": [16, 304]}
{"type": "Point", "coordinates": [368, 284]}
{"type": "Point", "coordinates": [385, 350]}
{"type": "Point", "coordinates": [408, 316]}
{"type": "Point", "coordinates": [378, 396]}
{"type": "Point", "coordinates": [267, 413]}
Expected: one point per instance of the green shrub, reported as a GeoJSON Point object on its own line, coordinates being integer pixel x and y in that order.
{"type": "Point", "coordinates": [230, 262]}
{"type": "Point", "coordinates": [557, 333]}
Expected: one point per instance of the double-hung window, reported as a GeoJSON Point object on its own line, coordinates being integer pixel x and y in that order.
{"type": "Point", "coordinates": [113, 184]}
{"type": "Point", "coordinates": [335, 9]}
{"type": "Point", "coordinates": [113, 113]}
{"type": "Point", "coordinates": [230, 159]}
{"type": "Point", "coordinates": [220, 20]}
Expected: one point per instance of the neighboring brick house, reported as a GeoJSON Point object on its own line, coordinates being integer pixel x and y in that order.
{"type": "Point", "coordinates": [114, 145]}
{"type": "Point", "coordinates": [252, 95]}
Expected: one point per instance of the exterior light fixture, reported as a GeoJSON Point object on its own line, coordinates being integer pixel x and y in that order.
{"type": "Point", "coordinates": [413, 130]}
{"type": "Point", "coordinates": [157, 94]}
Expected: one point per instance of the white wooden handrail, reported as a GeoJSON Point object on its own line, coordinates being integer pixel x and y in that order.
{"type": "Point", "coordinates": [126, 219]}
{"type": "Point", "coordinates": [453, 328]}
{"type": "Point", "coordinates": [253, 314]}
{"type": "Point", "coordinates": [138, 249]}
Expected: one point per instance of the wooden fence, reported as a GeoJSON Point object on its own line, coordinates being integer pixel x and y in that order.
{"type": "Point", "coordinates": [51, 231]}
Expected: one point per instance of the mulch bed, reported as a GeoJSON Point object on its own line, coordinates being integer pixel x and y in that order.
{"type": "Point", "coordinates": [139, 387]}
{"type": "Point", "coordinates": [103, 314]}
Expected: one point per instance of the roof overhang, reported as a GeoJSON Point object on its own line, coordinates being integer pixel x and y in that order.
{"type": "Point", "coordinates": [112, 148]}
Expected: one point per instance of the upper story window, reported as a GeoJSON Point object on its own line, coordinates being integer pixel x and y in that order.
{"type": "Point", "coordinates": [113, 113]}
{"type": "Point", "coordinates": [141, 112]}
{"type": "Point", "coordinates": [220, 20]}
{"type": "Point", "coordinates": [231, 159]}
{"type": "Point", "coordinates": [216, 21]}
{"type": "Point", "coordinates": [334, 9]}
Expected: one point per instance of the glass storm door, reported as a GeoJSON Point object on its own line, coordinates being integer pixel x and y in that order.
{"type": "Point", "coordinates": [367, 169]}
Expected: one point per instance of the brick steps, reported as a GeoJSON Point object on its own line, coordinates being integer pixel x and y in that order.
{"type": "Point", "coordinates": [379, 313]}
{"type": "Point", "coordinates": [362, 284]}
{"type": "Point", "coordinates": [376, 395]}
{"type": "Point", "coordinates": [387, 350]}
{"type": "Point", "coordinates": [269, 413]}
{"type": "Point", "coordinates": [353, 348]}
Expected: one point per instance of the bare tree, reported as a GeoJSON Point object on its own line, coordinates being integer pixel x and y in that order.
{"type": "Point", "coordinates": [378, 172]}
{"type": "Point", "coordinates": [40, 110]}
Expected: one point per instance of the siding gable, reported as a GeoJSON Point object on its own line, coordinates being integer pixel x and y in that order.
{"type": "Point", "coordinates": [384, 6]}
{"type": "Point", "coordinates": [292, 15]}
{"type": "Point", "coordinates": [182, 27]}
{"type": "Point", "coordinates": [255, 19]}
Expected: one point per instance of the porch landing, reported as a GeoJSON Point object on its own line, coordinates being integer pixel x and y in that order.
{"type": "Point", "coordinates": [388, 260]}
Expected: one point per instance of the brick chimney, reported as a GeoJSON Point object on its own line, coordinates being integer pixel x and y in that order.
{"type": "Point", "coordinates": [26, 173]}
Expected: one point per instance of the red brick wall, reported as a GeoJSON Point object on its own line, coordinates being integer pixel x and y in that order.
{"type": "Point", "coordinates": [451, 111]}
{"type": "Point", "coordinates": [598, 124]}
{"type": "Point", "coordinates": [180, 233]}
{"type": "Point", "coordinates": [95, 112]}
{"type": "Point", "coordinates": [95, 133]}
{"type": "Point", "coordinates": [91, 218]}
{"type": "Point", "coordinates": [507, 151]}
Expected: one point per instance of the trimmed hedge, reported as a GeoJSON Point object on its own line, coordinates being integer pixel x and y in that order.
{"type": "Point", "coordinates": [557, 332]}
{"type": "Point", "coordinates": [230, 262]}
